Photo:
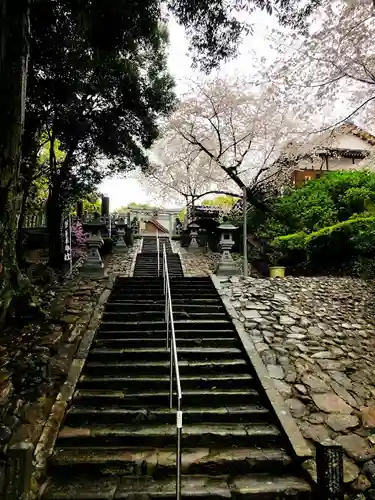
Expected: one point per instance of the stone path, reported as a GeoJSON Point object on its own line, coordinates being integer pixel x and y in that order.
{"type": "Point", "coordinates": [317, 339]}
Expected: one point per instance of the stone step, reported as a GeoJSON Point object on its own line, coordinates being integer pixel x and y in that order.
{"type": "Point", "coordinates": [161, 334]}
{"type": "Point", "coordinates": [160, 436]}
{"type": "Point", "coordinates": [199, 280]}
{"type": "Point", "coordinates": [156, 399]}
{"type": "Point", "coordinates": [177, 307]}
{"type": "Point", "coordinates": [151, 260]}
{"type": "Point", "coordinates": [155, 461]}
{"type": "Point", "coordinates": [124, 342]}
{"type": "Point", "coordinates": [154, 282]}
{"type": "Point", "coordinates": [153, 314]}
{"type": "Point", "coordinates": [175, 288]}
{"type": "Point", "coordinates": [152, 263]}
{"type": "Point", "coordinates": [131, 382]}
{"type": "Point", "coordinates": [160, 353]}
{"type": "Point", "coordinates": [185, 296]}
{"type": "Point", "coordinates": [187, 324]}
{"type": "Point", "coordinates": [106, 416]}
{"type": "Point", "coordinates": [161, 300]}
{"type": "Point", "coordinates": [219, 365]}
{"type": "Point", "coordinates": [262, 486]}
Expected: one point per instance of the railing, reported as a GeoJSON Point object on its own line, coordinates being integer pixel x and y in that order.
{"type": "Point", "coordinates": [174, 369]}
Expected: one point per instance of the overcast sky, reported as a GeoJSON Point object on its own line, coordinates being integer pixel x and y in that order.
{"type": "Point", "coordinates": [124, 191]}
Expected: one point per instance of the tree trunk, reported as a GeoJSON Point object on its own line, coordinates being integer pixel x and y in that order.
{"type": "Point", "coordinates": [14, 51]}
{"type": "Point", "coordinates": [21, 220]}
{"type": "Point", "coordinates": [54, 227]}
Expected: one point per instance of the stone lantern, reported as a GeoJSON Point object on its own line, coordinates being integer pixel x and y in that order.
{"type": "Point", "coordinates": [121, 243]}
{"type": "Point", "coordinates": [193, 228]}
{"type": "Point", "coordinates": [226, 266]}
{"type": "Point", "coordinates": [94, 266]}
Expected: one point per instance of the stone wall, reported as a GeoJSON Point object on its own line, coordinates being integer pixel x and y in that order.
{"type": "Point", "coordinates": [316, 337]}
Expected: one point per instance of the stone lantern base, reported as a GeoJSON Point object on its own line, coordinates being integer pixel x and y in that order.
{"type": "Point", "coordinates": [121, 246]}
{"type": "Point", "coordinates": [93, 266]}
{"type": "Point", "coordinates": [226, 266]}
{"type": "Point", "coordinates": [193, 245]}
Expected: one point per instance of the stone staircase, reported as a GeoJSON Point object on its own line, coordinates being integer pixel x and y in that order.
{"type": "Point", "coordinates": [147, 261]}
{"type": "Point", "coordinates": [119, 437]}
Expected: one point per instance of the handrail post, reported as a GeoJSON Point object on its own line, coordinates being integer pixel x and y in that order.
{"type": "Point", "coordinates": [178, 450]}
{"type": "Point", "coordinates": [158, 251]}
{"type": "Point", "coordinates": [171, 377]}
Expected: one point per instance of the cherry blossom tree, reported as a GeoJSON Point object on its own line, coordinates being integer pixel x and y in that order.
{"type": "Point", "coordinates": [239, 128]}
{"type": "Point", "coordinates": [332, 68]}
{"type": "Point", "coordinates": [182, 173]}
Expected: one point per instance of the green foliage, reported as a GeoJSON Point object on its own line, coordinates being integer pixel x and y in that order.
{"type": "Point", "coordinates": [319, 203]}
{"type": "Point", "coordinates": [134, 204]}
{"type": "Point", "coordinates": [346, 246]}
{"type": "Point", "coordinates": [326, 225]}
{"type": "Point", "coordinates": [92, 204]}
{"type": "Point", "coordinates": [223, 201]}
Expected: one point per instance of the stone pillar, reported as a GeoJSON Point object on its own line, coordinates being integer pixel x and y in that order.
{"type": "Point", "coordinates": [105, 206]}
{"type": "Point", "coordinates": [170, 225]}
{"type": "Point", "coordinates": [79, 209]}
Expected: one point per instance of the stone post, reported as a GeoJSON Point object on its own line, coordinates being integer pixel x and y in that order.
{"type": "Point", "coordinates": [79, 209]}
{"type": "Point", "coordinates": [226, 266]}
{"type": "Point", "coordinates": [19, 470]}
{"type": "Point", "coordinates": [105, 206]}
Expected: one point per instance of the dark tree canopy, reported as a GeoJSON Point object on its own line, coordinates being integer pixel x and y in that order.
{"type": "Point", "coordinates": [215, 30]}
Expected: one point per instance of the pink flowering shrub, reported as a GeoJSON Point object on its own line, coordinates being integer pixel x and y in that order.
{"type": "Point", "coordinates": [79, 240]}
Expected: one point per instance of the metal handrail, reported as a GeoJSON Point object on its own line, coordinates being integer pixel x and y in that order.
{"type": "Point", "coordinates": [172, 346]}
{"type": "Point", "coordinates": [158, 251]}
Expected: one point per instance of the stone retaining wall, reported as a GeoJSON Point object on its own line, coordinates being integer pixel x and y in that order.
{"type": "Point", "coordinates": [317, 338]}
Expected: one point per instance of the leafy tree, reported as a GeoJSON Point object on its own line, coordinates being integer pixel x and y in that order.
{"type": "Point", "coordinates": [101, 105]}
{"type": "Point", "coordinates": [224, 202]}
{"type": "Point", "coordinates": [134, 204]}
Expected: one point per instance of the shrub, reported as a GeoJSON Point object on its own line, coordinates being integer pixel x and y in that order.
{"type": "Point", "coordinates": [347, 246]}
{"type": "Point", "coordinates": [79, 240]}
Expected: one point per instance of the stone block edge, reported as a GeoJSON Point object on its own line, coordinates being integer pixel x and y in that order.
{"type": "Point", "coordinates": [45, 444]}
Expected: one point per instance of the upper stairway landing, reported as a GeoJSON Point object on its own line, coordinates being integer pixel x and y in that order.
{"type": "Point", "coordinates": [146, 264]}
